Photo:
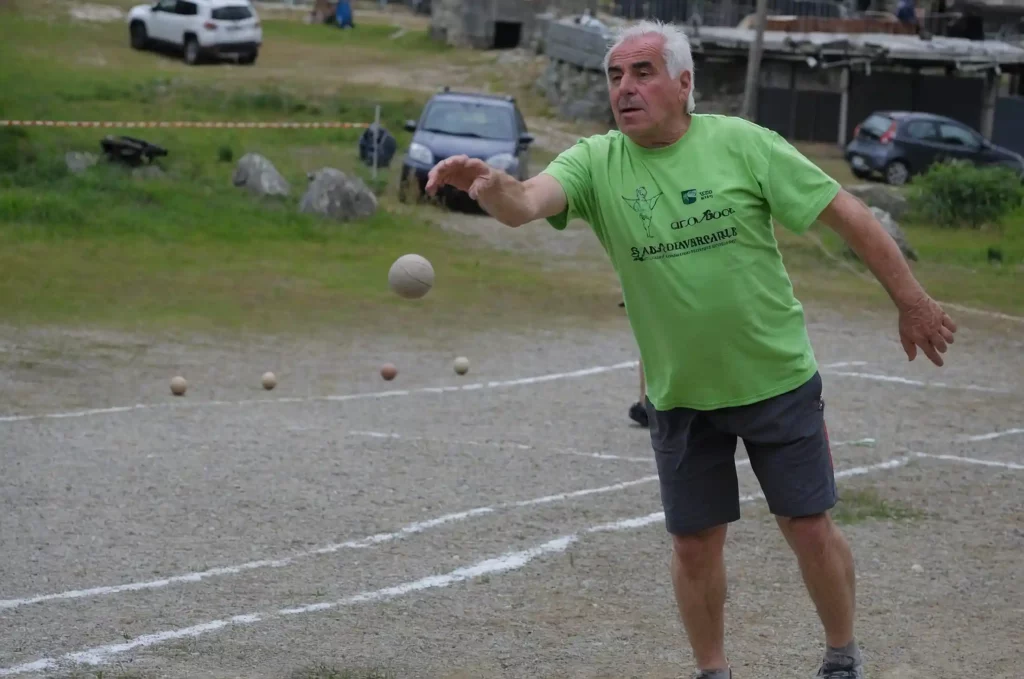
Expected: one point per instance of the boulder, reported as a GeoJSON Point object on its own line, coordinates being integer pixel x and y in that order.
{"type": "Point", "coordinates": [79, 162]}
{"type": "Point", "coordinates": [881, 196]}
{"type": "Point", "coordinates": [894, 230]}
{"type": "Point", "coordinates": [334, 194]}
{"type": "Point", "coordinates": [258, 175]}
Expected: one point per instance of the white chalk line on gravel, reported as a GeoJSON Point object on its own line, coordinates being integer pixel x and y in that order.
{"type": "Point", "coordinates": [555, 450]}
{"type": "Point", "coordinates": [993, 435]}
{"type": "Point", "coordinates": [916, 383]}
{"type": "Point", "coordinates": [584, 372]}
{"type": "Point", "coordinates": [501, 444]}
{"type": "Point", "coordinates": [368, 541]}
{"type": "Point", "coordinates": [828, 369]}
{"type": "Point", "coordinates": [971, 460]}
{"type": "Point", "coordinates": [509, 561]}
{"type": "Point", "coordinates": [410, 529]}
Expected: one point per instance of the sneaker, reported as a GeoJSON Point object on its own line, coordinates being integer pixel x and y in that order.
{"type": "Point", "coordinates": [830, 670]}
{"type": "Point", "coordinates": [638, 414]}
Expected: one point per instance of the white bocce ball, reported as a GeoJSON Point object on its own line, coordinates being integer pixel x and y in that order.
{"type": "Point", "coordinates": [461, 365]}
{"type": "Point", "coordinates": [411, 276]}
{"type": "Point", "coordinates": [269, 381]}
{"type": "Point", "coordinates": [178, 385]}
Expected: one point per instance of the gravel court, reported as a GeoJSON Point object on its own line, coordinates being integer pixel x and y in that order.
{"type": "Point", "coordinates": [586, 412]}
{"type": "Point", "coordinates": [603, 608]}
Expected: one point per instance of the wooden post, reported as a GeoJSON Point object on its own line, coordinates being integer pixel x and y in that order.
{"type": "Point", "coordinates": [844, 104]}
{"type": "Point", "coordinates": [988, 108]}
{"type": "Point", "coordinates": [794, 97]}
{"type": "Point", "coordinates": [376, 130]}
{"type": "Point", "coordinates": [754, 63]}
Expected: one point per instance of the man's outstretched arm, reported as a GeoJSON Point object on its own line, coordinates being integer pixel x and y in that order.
{"type": "Point", "coordinates": [922, 322]}
{"type": "Point", "coordinates": [501, 195]}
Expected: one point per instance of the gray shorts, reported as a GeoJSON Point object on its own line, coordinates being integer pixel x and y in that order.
{"type": "Point", "coordinates": [786, 440]}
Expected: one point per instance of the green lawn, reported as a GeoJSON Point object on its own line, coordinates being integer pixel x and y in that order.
{"type": "Point", "coordinates": [190, 250]}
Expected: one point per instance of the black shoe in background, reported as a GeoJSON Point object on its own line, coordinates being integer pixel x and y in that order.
{"type": "Point", "coordinates": [638, 414]}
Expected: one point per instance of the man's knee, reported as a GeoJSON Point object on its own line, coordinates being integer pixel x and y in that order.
{"type": "Point", "coordinates": [811, 533]}
{"type": "Point", "coordinates": [696, 552]}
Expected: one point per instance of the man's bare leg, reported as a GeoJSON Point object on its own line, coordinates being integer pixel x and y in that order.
{"type": "Point", "coordinates": [638, 411]}
{"type": "Point", "coordinates": [643, 385]}
{"type": "Point", "coordinates": [698, 577]}
{"type": "Point", "coordinates": [827, 567]}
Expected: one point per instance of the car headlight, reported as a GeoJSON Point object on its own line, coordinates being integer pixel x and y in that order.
{"type": "Point", "coordinates": [420, 153]}
{"type": "Point", "coordinates": [503, 161]}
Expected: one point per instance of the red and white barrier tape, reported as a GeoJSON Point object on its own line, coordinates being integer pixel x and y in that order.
{"type": "Point", "coordinates": [176, 124]}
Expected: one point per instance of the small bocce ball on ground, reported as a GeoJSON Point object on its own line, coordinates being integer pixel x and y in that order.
{"type": "Point", "coordinates": [269, 381]}
{"type": "Point", "coordinates": [178, 385]}
{"type": "Point", "coordinates": [411, 276]}
{"type": "Point", "coordinates": [388, 371]}
{"type": "Point", "coordinates": [461, 365]}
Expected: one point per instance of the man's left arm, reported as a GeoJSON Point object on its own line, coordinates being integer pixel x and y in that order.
{"type": "Point", "coordinates": [800, 193]}
{"type": "Point", "coordinates": [922, 322]}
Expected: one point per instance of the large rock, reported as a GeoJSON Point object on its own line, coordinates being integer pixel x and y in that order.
{"type": "Point", "coordinates": [334, 194]}
{"type": "Point", "coordinates": [894, 230]}
{"type": "Point", "coordinates": [79, 162]}
{"type": "Point", "coordinates": [258, 175]}
{"type": "Point", "coordinates": [883, 197]}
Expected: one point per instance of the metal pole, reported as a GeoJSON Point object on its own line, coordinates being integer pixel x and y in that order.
{"type": "Point", "coordinates": [376, 131]}
{"type": "Point", "coordinates": [754, 63]}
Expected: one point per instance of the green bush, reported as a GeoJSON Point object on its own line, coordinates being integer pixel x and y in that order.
{"type": "Point", "coordinates": [960, 194]}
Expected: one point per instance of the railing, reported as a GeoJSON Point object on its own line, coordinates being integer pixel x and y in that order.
{"type": "Point", "coordinates": [719, 12]}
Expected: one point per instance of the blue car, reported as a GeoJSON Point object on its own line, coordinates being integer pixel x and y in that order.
{"type": "Point", "coordinates": [484, 126]}
{"type": "Point", "coordinates": [900, 144]}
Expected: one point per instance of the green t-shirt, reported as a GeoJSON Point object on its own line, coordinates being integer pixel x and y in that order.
{"type": "Point", "coordinates": [688, 229]}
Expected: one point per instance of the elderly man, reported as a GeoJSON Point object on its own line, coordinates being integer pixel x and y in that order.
{"type": "Point", "coordinates": [683, 204]}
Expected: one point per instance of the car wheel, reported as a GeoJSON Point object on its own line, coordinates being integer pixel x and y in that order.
{"type": "Point", "coordinates": [138, 34]}
{"type": "Point", "coordinates": [191, 51]}
{"type": "Point", "coordinates": [861, 174]}
{"type": "Point", "coordinates": [897, 173]}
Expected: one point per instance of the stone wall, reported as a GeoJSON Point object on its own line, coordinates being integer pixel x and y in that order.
{"type": "Point", "coordinates": [470, 23]}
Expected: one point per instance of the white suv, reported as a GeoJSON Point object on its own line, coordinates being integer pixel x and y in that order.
{"type": "Point", "coordinates": [198, 28]}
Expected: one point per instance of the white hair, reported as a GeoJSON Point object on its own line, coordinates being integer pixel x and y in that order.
{"type": "Point", "coordinates": [676, 49]}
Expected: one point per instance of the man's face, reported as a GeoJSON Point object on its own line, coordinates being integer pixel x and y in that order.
{"type": "Point", "coordinates": [643, 95]}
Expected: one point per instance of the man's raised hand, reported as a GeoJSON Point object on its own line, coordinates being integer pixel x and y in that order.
{"type": "Point", "coordinates": [466, 174]}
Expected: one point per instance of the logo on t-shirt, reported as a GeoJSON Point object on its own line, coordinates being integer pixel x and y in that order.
{"type": "Point", "coordinates": [690, 195]}
{"type": "Point", "coordinates": [644, 207]}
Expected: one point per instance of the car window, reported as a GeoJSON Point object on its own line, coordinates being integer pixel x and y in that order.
{"type": "Point", "coordinates": [956, 135]}
{"type": "Point", "coordinates": [520, 121]}
{"type": "Point", "coordinates": [187, 8]}
{"type": "Point", "coordinates": [922, 130]}
{"type": "Point", "coordinates": [876, 124]}
{"type": "Point", "coordinates": [473, 119]}
{"type": "Point", "coordinates": [168, 5]}
{"type": "Point", "coordinates": [232, 13]}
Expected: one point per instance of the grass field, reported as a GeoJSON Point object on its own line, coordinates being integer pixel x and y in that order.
{"type": "Point", "coordinates": [191, 250]}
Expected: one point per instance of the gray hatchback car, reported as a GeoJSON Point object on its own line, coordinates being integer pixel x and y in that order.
{"type": "Point", "coordinates": [900, 144]}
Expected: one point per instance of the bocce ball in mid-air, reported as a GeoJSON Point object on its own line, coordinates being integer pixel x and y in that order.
{"type": "Point", "coordinates": [411, 276]}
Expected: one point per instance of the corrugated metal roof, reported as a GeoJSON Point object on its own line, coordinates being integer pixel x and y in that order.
{"type": "Point", "coordinates": [894, 46]}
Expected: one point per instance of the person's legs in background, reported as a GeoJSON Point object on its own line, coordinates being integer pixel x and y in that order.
{"type": "Point", "coordinates": [637, 411]}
